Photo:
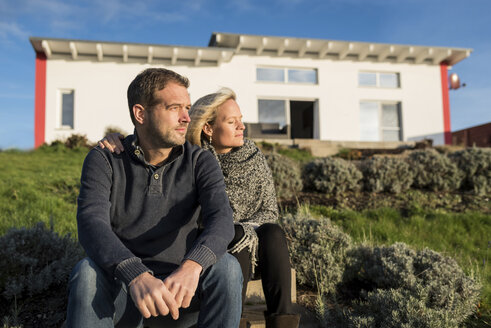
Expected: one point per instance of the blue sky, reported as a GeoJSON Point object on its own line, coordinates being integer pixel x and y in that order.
{"type": "Point", "coordinates": [450, 23]}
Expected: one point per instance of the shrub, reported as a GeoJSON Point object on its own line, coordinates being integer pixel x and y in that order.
{"type": "Point", "coordinates": [55, 146]}
{"type": "Point", "coordinates": [475, 163]}
{"type": "Point", "coordinates": [114, 129]}
{"type": "Point", "coordinates": [77, 141]}
{"type": "Point", "coordinates": [36, 264]}
{"type": "Point", "coordinates": [349, 154]}
{"type": "Point", "coordinates": [397, 308]}
{"type": "Point", "coordinates": [74, 141]}
{"type": "Point", "coordinates": [317, 250]}
{"type": "Point", "coordinates": [397, 286]}
{"type": "Point", "coordinates": [331, 175]}
{"type": "Point", "coordinates": [286, 175]}
{"type": "Point", "coordinates": [381, 267]}
{"type": "Point", "coordinates": [389, 174]}
{"type": "Point", "coordinates": [434, 171]}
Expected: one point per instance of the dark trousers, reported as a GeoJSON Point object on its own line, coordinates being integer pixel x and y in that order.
{"type": "Point", "coordinates": [273, 267]}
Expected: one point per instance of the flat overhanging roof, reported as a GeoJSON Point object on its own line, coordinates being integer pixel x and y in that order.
{"type": "Point", "coordinates": [223, 46]}
{"type": "Point", "coordinates": [130, 52]}
{"type": "Point", "coordinates": [337, 50]}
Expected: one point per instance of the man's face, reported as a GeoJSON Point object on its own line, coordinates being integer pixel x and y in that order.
{"type": "Point", "coordinates": [166, 124]}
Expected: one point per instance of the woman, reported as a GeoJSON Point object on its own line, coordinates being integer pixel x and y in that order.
{"type": "Point", "coordinates": [259, 244]}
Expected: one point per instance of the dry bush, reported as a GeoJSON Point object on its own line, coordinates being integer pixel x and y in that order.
{"type": "Point", "coordinates": [331, 175]}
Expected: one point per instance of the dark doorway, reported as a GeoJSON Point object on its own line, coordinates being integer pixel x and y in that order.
{"type": "Point", "coordinates": [302, 119]}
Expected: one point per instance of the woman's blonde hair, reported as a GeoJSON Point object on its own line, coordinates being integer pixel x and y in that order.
{"type": "Point", "coordinates": [203, 111]}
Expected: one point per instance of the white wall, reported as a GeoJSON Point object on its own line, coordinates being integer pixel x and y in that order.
{"type": "Point", "coordinates": [100, 93]}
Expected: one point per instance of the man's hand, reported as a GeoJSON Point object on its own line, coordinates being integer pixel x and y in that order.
{"type": "Point", "coordinates": [152, 297]}
{"type": "Point", "coordinates": [183, 282]}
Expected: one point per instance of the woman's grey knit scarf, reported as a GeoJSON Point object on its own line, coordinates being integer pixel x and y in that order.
{"type": "Point", "coordinates": [246, 174]}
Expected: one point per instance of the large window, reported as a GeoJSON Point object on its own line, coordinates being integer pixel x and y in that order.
{"type": "Point", "coordinates": [378, 80]}
{"type": "Point", "coordinates": [272, 111]}
{"type": "Point", "coordinates": [380, 121]}
{"type": "Point", "coordinates": [66, 108]}
{"type": "Point", "coordinates": [287, 75]}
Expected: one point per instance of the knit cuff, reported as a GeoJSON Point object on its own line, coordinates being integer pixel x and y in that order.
{"type": "Point", "coordinates": [129, 269]}
{"type": "Point", "coordinates": [203, 256]}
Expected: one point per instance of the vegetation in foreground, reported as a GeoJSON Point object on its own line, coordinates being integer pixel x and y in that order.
{"type": "Point", "coordinates": [365, 285]}
{"type": "Point", "coordinates": [42, 185]}
{"type": "Point", "coordinates": [462, 236]}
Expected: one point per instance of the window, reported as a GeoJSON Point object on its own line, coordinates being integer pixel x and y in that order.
{"type": "Point", "coordinates": [367, 79]}
{"type": "Point", "coordinates": [270, 74]}
{"type": "Point", "coordinates": [66, 108]}
{"type": "Point", "coordinates": [302, 76]}
{"type": "Point", "coordinates": [287, 75]}
{"type": "Point", "coordinates": [388, 80]}
{"type": "Point", "coordinates": [272, 111]}
{"type": "Point", "coordinates": [377, 79]}
{"type": "Point", "coordinates": [380, 121]}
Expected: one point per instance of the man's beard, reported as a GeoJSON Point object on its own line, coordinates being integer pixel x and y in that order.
{"type": "Point", "coordinates": [166, 139]}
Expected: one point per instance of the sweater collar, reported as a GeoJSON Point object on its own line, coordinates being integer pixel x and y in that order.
{"type": "Point", "coordinates": [239, 154]}
{"type": "Point", "coordinates": [237, 159]}
{"type": "Point", "coordinates": [136, 152]}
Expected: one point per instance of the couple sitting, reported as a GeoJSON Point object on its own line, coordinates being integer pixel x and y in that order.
{"type": "Point", "coordinates": [156, 217]}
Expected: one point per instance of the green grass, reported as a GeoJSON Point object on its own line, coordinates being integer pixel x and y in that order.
{"type": "Point", "coordinates": [43, 185]}
{"type": "Point", "coordinates": [464, 236]}
{"type": "Point", "coordinates": [297, 154]}
{"type": "Point", "coordinates": [40, 185]}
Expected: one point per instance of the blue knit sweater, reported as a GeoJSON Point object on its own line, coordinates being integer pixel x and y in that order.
{"type": "Point", "coordinates": [133, 217]}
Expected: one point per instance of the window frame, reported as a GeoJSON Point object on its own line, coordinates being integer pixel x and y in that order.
{"type": "Point", "coordinates": [61, 92]}
{"type": "Point", "coordinates": [286, 108]}
{"type": "Point", "coordinates": [271, 68]}
{"type": "Point", "coordinates": [377, 79]}
{"type": "Point", "coordinates": [286, 70]}
{"type": "Point", "coordinates": [382, 128]}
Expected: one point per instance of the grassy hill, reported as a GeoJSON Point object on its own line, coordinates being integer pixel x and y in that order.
{"type": "Point", "coordinates": [43, 185]}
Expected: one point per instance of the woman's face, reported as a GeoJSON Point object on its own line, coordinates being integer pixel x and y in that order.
{"type": "Point", "coordinates": [228, 130]}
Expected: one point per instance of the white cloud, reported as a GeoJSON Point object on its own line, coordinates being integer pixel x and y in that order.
{"type": "Point", "coordinates": [194, 5]}
{"type": "Point", "coordinates": [12, 30]}
{"type": "Point", "coordinates": [290, 2]}
{"type": "Point", "coordinates": [41, 8]}
{"type": "Point", "coordinates": [243, 5]}
{"type": "Point", "coordinates": [60, 17]}
{"type": "Point", "coordinates": [55, 8]}
{"type": "Point", "coordinates": [110, 10]}
{"type": "Point", "coordinates": [132, 11]}
{"type": "Point", "coordinates": [55, 14]}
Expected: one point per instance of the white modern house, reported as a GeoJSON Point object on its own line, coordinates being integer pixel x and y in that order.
{"type": "Point", "coordinates": [295, 88]}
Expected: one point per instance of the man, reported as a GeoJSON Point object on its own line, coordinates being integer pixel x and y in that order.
{"type": "Point", "coordinates": [138, 216]}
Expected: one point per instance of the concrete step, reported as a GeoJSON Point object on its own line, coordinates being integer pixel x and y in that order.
{"type": "Point", "coordinates": [255, 316]}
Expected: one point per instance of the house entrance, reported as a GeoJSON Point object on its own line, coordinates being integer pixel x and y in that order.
{"type": "Point", "coordinates": [302, 119]}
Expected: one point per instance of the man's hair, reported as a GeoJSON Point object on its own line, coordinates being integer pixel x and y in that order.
{"type": "Point", "coordinates": [204, 110]}
{"type": "Point", "coordinates": [142, 89]}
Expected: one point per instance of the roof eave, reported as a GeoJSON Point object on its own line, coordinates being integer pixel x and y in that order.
{"type": "Point", "coordinates": [338, 50]}
{"type": "Point", "coordinates": [103, 50]}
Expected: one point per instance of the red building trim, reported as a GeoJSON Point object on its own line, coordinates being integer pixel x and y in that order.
{"type": "Point", "coordinates": [446, 104]}
{"type": "Point", "coordinates": [40, 100]}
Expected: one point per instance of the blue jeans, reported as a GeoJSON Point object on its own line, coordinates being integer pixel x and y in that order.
{"type": "Point", "coordinates": [98, 300]}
